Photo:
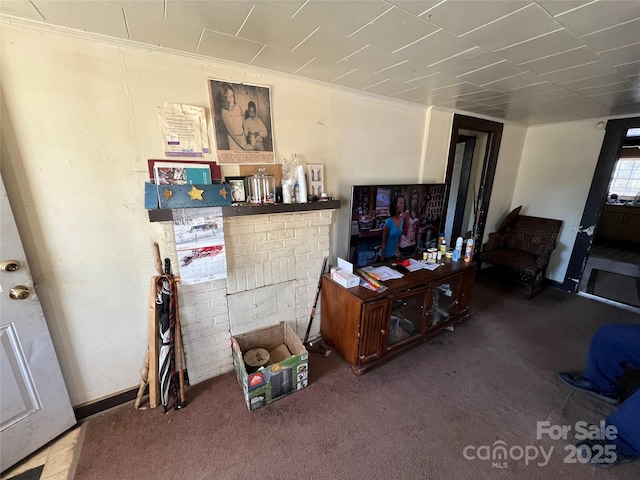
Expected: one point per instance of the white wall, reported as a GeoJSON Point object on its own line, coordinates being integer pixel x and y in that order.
{"type": "Point", "coordinates": [557, 166]}
{"type": "Point", "coordinates": [79, 121]}
{"type": "Point", "coordinates": [507, 171]}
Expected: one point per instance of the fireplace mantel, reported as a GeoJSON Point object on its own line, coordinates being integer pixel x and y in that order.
{"type": "Point", "coordinates": [165, 214]}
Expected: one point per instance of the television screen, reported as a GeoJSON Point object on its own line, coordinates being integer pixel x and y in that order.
{"type": "Point", "coordinates": [370, 208]}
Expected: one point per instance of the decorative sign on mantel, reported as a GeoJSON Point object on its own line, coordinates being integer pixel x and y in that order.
{"type": "Point", "coordinates": [186, 196]}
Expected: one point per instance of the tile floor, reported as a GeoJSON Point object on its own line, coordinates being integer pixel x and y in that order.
{"type": "Point", "coordinates": [58, 457]}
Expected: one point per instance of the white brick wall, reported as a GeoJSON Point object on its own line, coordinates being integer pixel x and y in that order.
{"type": "Point", "coordinates": [273, 266]}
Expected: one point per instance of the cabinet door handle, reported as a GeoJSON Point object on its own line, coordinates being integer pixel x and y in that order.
{"type": "Point", "coordinates": [383, 331]}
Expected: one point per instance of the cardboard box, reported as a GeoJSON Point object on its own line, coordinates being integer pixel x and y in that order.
{"type": "Point", "coordinates": [346, 279]}
{"type": "Point", "coordinates": [276, 380]}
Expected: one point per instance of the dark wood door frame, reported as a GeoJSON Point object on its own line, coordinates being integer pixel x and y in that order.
{"type": "Point", "coordinates": [616, 130]}
{"type": "Point", "coordinates": [494, 137]}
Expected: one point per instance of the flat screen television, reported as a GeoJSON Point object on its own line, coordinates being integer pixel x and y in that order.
{"type": "Point", "coordinates": [370, 208]}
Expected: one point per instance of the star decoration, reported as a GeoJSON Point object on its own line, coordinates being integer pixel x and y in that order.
{"type": "Point", "coordinates": [168, 194]}
{"type": "Point", "coordinates": [196, 194]}
{"type": "Point", "coordinates": [223, 192]}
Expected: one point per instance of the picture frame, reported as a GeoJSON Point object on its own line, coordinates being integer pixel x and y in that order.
{"type": "Point", "coordinates": [315, 179]}
{"type": "Point", "coordinates": [239, 189]}
{"type": "Point", "coordinates": [242, 123]}
{"type": "Point", "coordinates": [215, 171]}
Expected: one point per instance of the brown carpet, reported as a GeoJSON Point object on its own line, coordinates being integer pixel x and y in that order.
{"type": "Point", "coordinates": [412, 417]}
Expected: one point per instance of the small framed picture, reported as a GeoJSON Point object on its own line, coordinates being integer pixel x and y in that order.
{"type": "Point", "coordinates": [315, 179]}
{"type": "Point", "coordinates": [239, 189]}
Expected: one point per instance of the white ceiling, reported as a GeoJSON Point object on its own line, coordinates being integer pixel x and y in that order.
{"type": "Point", "coordinates": [524, 61]}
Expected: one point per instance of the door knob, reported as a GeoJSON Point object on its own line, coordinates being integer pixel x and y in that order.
{"type": "Point", "coordinates": [19, 292]}
{"type": "Point", "coordinates": [9, 265]}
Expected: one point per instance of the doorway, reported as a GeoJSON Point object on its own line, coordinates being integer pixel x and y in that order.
{"type": "Point", "coordinates": [471, 168]}
{"type": "Point", "coordinates": [616, 131]}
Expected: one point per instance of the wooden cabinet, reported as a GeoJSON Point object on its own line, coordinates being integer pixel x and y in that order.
{"type": "Point", "coordinates": [367, 327]}
{"type": "Point", "coordinates": [619, 222]}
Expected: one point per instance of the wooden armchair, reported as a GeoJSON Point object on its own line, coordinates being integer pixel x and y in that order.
{"type": "Point", "coordinates": [522, 246]}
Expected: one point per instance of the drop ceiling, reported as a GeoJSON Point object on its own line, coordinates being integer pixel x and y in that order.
{"type": "Point", "coordinates": [529, 62]}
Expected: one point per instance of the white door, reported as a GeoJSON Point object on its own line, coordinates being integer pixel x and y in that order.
{"type": "Point", "coordinates": [33, 397]}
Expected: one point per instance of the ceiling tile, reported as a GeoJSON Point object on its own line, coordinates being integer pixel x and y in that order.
{"type": "Point", "coordinates": [579, 73]}
{"type": "Point", "coordinates": [631, 68]}
{"type": "Point", "coordinates": [435, 48]}
{"type": "Point", "coordinates": [596, 81]}
{"type": "Point", "coordinates": [628, 109]}
{"type": "Point", "coordinates": [220, 16]}
{"type": "Point", "coordinates": [561, 95]}
{"type": "Point", "coordinates": [622, 55]}
{"type": "Point", "coordinates": [458, 89]}
{"type": "Point", "coordinates": [357, 79]}
{"type": "Point", "coordinates": [323, 44]}
{"type": "Point", "coordinates": [155, 8]}
{"type": "Point", "coordinates": [341, 17]}
{"type": "Point", "coordinates": [437, 80]}
{"type": "Point", "coordinates": [407, 71]}
{"type": "Point", "coordinates": [618, 98]}
{"type": "Point", "coordinates": [280, 60]}
{"type": "Point", "coordinates": [478, 96]}
{"type": "Point", "coordinates": [598, 15]}
{"type": "Point", "coordinates": [462, 16]}
{"type": "Point", "coordinates": [273, 28]}
{"type": "Point", "coordinates": [164, 33]}
{"type": "Point", "coordinates": [467, 61]}
{"type": "Point", "coordinates": [584, 108]}
{"type": "Point", "coordinates": [619, 36]}
{"type": "Point", "coordinates": [87, 16]}
{"type": "Point", "coordinates": [228, 47]}
{"type": "Point", "coordinates": [606, 89]}
{"type": "Point", "coordinates": [371, 59]}
{"type": "Point", "coordinates": [519, 81]}
{"type": "Point", "coordinates": [535, 89]}
{"type": "Point", "coordinates": [286, 8]}
{"type": "Point", "coordinates": [393, 30]}
{"type": "Point", "coordinates": [323, 70]}
{"type": "Point", "coordinates": [21, 8]}
{"type": "Point", "coordinates": [549, 44]}
{"type": "Point", "coordinates": [517, 27]}
{"type": "Point", "coordinates": [417, 7]}
{"type": "Point", "coordinates": [487, 97]}
{"type": "Point", "coordinates": [556, 7]}
{"type": "Point", "coordinates": [559, 61]}
{"type": "Point", "coordinates": [385, 86]}
{"type": "Point", "coordinates": [488, 74]}
{"type": "Point", "coordinates": [538, 115]}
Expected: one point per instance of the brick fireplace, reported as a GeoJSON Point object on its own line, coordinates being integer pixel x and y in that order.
{"type": "Point", "coordinates": [273, 265]}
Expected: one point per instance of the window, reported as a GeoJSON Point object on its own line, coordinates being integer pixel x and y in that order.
{"type": "Point", "coordinates": [625, 180]}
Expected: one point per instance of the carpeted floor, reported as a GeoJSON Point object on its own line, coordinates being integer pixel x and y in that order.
{"type": "Point", "coordinates": [614, 286]}
{"type": "Point", "coordinates": [485, 385]}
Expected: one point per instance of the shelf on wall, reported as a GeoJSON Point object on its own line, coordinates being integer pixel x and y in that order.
{"type": "Point", "coordinates": [166, 215]}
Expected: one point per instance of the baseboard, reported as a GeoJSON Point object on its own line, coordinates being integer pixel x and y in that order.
{"type": "Point", "coordinates": [88, 409]}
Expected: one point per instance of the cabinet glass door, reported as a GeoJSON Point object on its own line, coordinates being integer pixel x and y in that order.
{"type": "Point", "coordinates": [444, 302]}
{"type": "Point", "coordinates": [407, 318]}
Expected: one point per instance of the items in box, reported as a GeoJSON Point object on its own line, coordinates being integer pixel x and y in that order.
{"type": "Point", "coordinates": [286, 371]}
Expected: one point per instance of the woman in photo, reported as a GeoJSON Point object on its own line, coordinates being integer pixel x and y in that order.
{"type": "Point", "coordinates": [233, 119]}
{"type": "Point", "coordinates": [392, 229]}
{"type": "Point", "coordinates": [411, 221]}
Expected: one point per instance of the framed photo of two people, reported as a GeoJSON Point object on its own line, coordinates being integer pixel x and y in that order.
{"type": "Point", "coordinates": [242, 122]}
